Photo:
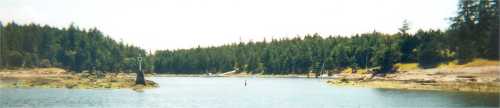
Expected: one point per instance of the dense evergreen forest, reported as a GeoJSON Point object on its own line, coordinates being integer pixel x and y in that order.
{"type": "Point", "coordinates": [75, 49]}
{"type": "Point", "coordinates": [472, 34]}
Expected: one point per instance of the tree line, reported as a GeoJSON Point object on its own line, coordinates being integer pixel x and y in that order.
{"type": "Point", "coordinates": [473, 34]}
{"type": "Point", "coordinates": [72, 48]}
{"type": "Point", "coordinates": [301, 55]}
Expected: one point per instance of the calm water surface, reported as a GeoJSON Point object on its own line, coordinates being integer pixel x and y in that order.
{"type": "Point", "coordinates": [194, 92]}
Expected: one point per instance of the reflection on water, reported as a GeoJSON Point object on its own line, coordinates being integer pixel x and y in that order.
{"type": "Point", "coordinates": [192, 92]}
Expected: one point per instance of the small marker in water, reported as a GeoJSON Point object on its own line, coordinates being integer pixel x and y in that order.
{"type": "Point", "coordinates": [245, 83]}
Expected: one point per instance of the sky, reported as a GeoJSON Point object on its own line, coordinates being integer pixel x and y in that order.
{"type": "Point", "coordinates": [177, 24]}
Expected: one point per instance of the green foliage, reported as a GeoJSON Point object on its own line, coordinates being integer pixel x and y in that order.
{"type": "Point", "coordinates": [429, 52]}
{"type": "Point", "coordinates": [407, 44]}
{"type": "Point", "coordinates": [282, 56]}
{"type": "Point", "coordinates": [387, 55]}
{"type": "Point", "coordinates": [33, 45]}
{"type": "Point", "coordinates": [474, 32]}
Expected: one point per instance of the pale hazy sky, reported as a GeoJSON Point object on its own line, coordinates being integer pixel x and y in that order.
{"type": "Point", "coordinates": [172, 24]}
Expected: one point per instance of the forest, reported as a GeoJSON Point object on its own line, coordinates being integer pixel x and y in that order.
{"type": "Point", "coordinates": [473, 33]}
{"type": "Point", "coordinates": [71, 48]}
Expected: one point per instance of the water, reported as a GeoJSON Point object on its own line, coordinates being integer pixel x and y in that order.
{"type": "Point", "coordinates": [192, 92]}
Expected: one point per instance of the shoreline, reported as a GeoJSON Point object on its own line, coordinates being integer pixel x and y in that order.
{"type": "Point", "coordinates": [242, 76]}
{"type": "Point", "coordinates": [473, 78]}
{"type": "Point", "coordinates": [59, 78]}
{"type": "Point", "coordinates": [468, 77]}
{"type": "Point", "coordinates": [411, 85]}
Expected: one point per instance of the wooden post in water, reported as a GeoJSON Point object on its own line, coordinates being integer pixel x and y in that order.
{"type": "Point", "coordinates": [140, 74]}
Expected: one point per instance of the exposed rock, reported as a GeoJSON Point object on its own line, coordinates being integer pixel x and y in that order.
{"type": "Point", "coordinates": [476, 79]}
{"type": "Point", "coordinates": [48, 79]}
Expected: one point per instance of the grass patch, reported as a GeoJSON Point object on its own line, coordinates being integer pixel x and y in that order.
{"type": "Point", "coordinates": [473, 63]}
{"type": "Point", "coordinates": [450, 64]}
{"type": "Point", "coordinates": [482, 62]}
{"type": "Point", "coordinates": [347, 71]}
{"type": "Point", "coordinates": [407, 66]}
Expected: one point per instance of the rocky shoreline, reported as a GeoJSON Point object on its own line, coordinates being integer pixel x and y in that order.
{"type": "Point", "coordinates": [59, 78]}
{"type": "Point", "coordinates": [420, 85]}
{"type": "Point", "coordinates": [471, 79]}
